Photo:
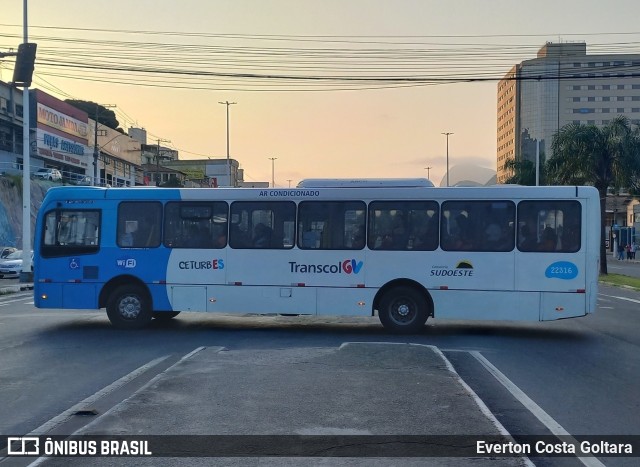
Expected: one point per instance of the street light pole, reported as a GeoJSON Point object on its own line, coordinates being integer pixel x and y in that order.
{"type": "Point", "coordinates": [25, 274]}
{"type": "Point", "coordinates": [227, 103]}
{"type": "Point", "coordinates": [447, 135]}
{"type": "Point", "coordinates": [96, 152]}
{"type": "Point", "coordinates": [158, 159]}
{"type": "Point", "coordinates": [273, 160]}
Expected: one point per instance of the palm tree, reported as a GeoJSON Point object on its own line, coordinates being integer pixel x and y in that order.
{"type": "Point", "coordinates": [604, 157]}
{"type": "Point", "coordinates": [524, 171]}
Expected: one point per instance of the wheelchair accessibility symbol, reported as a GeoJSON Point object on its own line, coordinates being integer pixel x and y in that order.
{"type": "Point", "coordinates": [74, 263]}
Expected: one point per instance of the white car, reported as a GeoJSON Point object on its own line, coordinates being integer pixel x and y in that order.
{"type": "Point", "coordinates": [49, 174]}
{"type": "Point", "coordinates": [6, 251]}
{"type": "Point", "coordinates": [11, 266]}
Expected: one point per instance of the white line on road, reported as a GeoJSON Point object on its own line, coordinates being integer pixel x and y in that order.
{"type": "Point", "coordinates": [546, 419]}
{"type": "Point", "coordinates": [622, 298]}
{"type": "Point", "coordinates": [64, 416]}
{"type": "Point", "coordinates": [9, 302]}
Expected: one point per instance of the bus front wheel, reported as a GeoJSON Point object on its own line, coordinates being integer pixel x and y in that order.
{"type": "Point", "coordinates": [129, 307]}
{"type": "Point", "coordinates": [403, 310]}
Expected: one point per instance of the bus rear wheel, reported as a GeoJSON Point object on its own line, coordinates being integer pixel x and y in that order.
{"type": "Point", "coordinates": [129, 307]}
{"type": "Point", "coordinates": [403, 310]}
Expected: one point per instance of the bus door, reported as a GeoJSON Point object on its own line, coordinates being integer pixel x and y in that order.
{"type": "Point", "coordinates": [261, 245]}
{"type": "Point", "coordinates": [551, 256]}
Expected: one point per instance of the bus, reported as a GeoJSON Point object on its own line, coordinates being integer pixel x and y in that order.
{"type": "Point", "coordinates": [401, 249]}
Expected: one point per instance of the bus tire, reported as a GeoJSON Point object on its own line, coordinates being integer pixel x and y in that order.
{"type": "Point", "coordinates": [165, 315]}
{"type": "Point", "coordinates": [129, 307]}
{"type": "Point", "coordinates": [403, 310]}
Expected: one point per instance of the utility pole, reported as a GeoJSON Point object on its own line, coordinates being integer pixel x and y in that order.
{"type": "Point", "coordinates": [273, 160]}
{"type": "Point", "coordinates": [447, 135]}
{"type": "Point", "coordinates": [96, 151]}
{"type": "Point", "coordinates": [428, 169]}
{"type": "Point", "coordinates": [227, 103]}
{"type": "Point", "coordinates": [158, 160]}
{"type": "Point", "coordinates": [26, 274]}
{"type": "Point", "coordinates": [289, 180]}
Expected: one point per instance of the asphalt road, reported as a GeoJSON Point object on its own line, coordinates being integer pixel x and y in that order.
{"type": "Point", "coordinates": [582, 374]}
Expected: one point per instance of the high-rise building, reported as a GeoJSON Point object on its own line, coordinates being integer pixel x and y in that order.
{"type": "Point", "coordinates": [562, 85]}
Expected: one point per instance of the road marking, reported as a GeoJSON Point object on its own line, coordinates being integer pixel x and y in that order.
{"type": "Point", "coordinates": [479, 402]}
{"type": "Point", "coordinates": [67, 414]}
{"type": "Point", "coordinates": [9, 302]}
{"type": "Point", "coordinates": [546, 419]}
{"type": "Point", "coordinates": [622, 298]}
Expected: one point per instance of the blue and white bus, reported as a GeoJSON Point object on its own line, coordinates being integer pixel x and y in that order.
{"type": "Point", "coordinates": [401, 249]}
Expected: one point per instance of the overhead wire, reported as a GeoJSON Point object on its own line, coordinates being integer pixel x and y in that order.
{"type": "Point", "coordinates": [289, 63]}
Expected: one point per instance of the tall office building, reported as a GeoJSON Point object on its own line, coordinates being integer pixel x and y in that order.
{"type": "Point", "coordinates": [562, 85]}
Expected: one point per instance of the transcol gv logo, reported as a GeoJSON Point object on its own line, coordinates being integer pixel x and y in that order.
{"type": "Point", "coordinates": [348, 266]}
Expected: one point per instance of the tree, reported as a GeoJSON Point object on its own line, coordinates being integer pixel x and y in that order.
{"type": "Point", "coordinates": [524, 171]}
{"type": "Point", "coordinates": [106, 117]}
{"type": "Point", "coordinates": [173, 182]}
{"type": "Point", "coordinates": [604, 157]}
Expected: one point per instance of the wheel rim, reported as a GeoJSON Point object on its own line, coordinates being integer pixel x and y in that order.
{"type": "Point", "coordinates": [130, 307]}
{"type": "Point", "coordinates": [403, 311]}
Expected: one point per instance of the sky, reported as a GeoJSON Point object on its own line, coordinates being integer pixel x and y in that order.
{"type": "Point", "coordinates": [335, 125]}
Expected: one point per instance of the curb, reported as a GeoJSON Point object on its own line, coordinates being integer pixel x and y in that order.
{"type": "Point", "coordinates": [15, 288]}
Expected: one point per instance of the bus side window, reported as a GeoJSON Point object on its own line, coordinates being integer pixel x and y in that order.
{"type": "Point", "coordinates": [550, 226]}
{"type": "Point", "coordinates": [331, 225]}
{"type": "Point", "coordinates": [262, 225]}
{"type": "Point", "coordinates": [403, 225]}
{"type": "Point", "coordinates": [139, 224]}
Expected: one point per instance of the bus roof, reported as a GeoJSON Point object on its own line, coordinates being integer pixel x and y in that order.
{"type": "Point", "coordinates": [364, 183]}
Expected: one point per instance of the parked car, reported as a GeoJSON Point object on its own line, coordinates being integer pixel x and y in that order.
{"type": "Point", "coordinates": [48, 174]}
{"type": "Point", "coordinates": [11, 266]}
{"type": "Point", "coordinates": [6, 251]}
{"type": "Point", "coordinates": [79, 179]}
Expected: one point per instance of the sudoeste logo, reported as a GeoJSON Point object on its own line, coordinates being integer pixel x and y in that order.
{"type": "Point", "coordinates": [348, 266]}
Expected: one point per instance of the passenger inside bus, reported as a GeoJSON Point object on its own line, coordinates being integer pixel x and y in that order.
{"type": "Point", "coordinates": [64, 230]}
{"type": "Point", "coordinates": [358, 238]}
{"type": "Point", "coordinates": [261, 236]}
{"type": "Point", "coordinates": [549, 240]}
{"type": "Point", "coordinates": [526, 239]}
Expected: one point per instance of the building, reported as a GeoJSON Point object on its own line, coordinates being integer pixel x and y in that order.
{"type": "Point", "coordinates": [562, 85]}
{"type": "Point", "coordinates": [209, 172]}
{"type": "Point", "coordinates": [11, 112]}
{"type": "Point", "coordinates": [118, 156]}
{"type": "Point", "coordinates": [64, 137]}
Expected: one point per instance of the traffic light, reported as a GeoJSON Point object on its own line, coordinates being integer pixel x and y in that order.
{"type": "Point", "coordinates": [25, 60]}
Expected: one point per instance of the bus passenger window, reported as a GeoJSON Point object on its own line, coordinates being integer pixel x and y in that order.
{"type": "Point", "coordinates": [331, 225]}
{"type": "Point", "coordinates": [70, 232]}
{"type": "Point", "coordinates": [195, 224]}
{"type": "Point", "coordinates": [139, 224]}
{"type": "Point", "coordinates": [478, 226]}
{"type": "Point", "coordinates": [550, 226]}
{"type": "Point", "coordinates": [403, 225]}
{"type": "Point", "coordinates": [262, 225]}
